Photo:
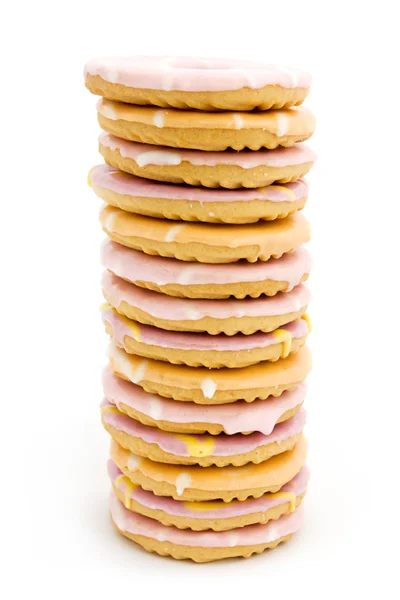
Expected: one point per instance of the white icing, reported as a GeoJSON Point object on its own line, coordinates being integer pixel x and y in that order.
{"type": "Point", "coordinates": [159, 118]}
{"type": "Point", "coordinates": [170, 236]}
{"type": "Point", "coordinates": [108, 112]}
{"type": "Point", "coordinates": [238, 121]}
{"type": "Point", "coordinates": [208, 387]}
{"type": "Point", "coordinates": [281, 124]}
{"type": "Point", "coordinates": [233, 539]}
{"type": "Point", "coordinates": [158, 157]}
{"type": "Point", "coordinates": [155, 410]}
{"type": "Point", "coordinates": [124, 366]}
{"type": "Point", "coordinates": [110, 220]}
{"type": "Point", "coordinates": [140, 371]}
{"type": "Point", "coordinates": [182, 482]}
{"type": "Point", "coordinates": [133, 462]}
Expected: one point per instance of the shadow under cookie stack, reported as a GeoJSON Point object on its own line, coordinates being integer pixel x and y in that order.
{"type": "Point", "coordinates": [205, 300]}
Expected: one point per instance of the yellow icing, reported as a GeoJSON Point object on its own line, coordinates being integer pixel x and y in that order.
{"type": "Point", "coordinates": [121, 174]}
{"type": "Point", "coordinates": [209, 505]}
{"type": "Point", "coordinates": [89, 181]}
{"type": "Point", "coordinates": [291, 498]}
{"type": "Point", "coordinates": [307, 319]}
{"type": "Point", "coordinates": [297, 121]}
{"type": "Point", "coordinates": [288, 191]}
{"type": "Point", "coordinates": [133, 326]}
{"type": "Point", "coordinates": [105, 306]}
{"type": "Point", "coordinates": [129, 487]}
{"type": "Point", "coordinates": [284, 336]}
{"type": "Point", "coordinates": [195, 447]}
{"type": "Point", "coordinates": [111, 409]}
{"type": "Point", "coordinates": [205, 506]}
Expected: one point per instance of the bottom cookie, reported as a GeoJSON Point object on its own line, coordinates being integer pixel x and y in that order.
{"type": "Point", "coordinates": [202, 546]}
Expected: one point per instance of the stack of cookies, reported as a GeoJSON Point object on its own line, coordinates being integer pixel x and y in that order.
{"type": "Point", "coordinates": [206, 305]}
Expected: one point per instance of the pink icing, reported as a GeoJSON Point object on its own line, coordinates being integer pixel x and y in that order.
{"type": "Point", "coordinates": [171, 308]}
{"type": "Point", "coordinates": [192, 340]}
{"type": "Point", "coordinates": [135, 524]}
{"type": "Point", "coordinates": [138, 266]}
{"type": "Point", "coordinates": [192, 74]}
{"type": "Point", "coordinates": [146, 154]}
{"type": "Point", "coordinates": [107, 177]}
{"type": "Point", "coordinates": [238, 417]}
{"type": "Point", "coordinates": [225, 510]}
{"type": "Point", "coordinates": [224, 445]}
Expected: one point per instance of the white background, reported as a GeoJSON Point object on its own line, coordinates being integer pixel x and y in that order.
{"type": "Point", "coordinates": [58, 540]}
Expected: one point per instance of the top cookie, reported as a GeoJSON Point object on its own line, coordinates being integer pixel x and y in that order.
{"type": "Point", "coordinates": [201, 83]}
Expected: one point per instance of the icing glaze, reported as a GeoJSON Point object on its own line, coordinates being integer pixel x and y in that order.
{"type": "Point", "coordinates": [136, 524]}
{"type": "Point", "coordinates": [201, 445]}
{"type": "Point", "coordinates": [275, 472]}
{"type": "Point", "coordinates": [147, 154]}
{"type": "Point", "coordinates": [138, 266]}
{"type": "Point", "coordinates": [238, 417]}
{"type": "Point", "coordinates": [286, 371]}
{"type": "Point", "coordinates": [271, 237]}
{"type": "Point", "coordinates": [286, 121]}
{"type": "Point", "coordinates": [103, 176]}
{"type": "Point", "coordinates": [123, 327]}
{"type": "Point", "coordinates": [194, 74]}
{"type": "Point", "coordinates": [116, 290]}
{"type": "Point", "coordinates": [207, 510]}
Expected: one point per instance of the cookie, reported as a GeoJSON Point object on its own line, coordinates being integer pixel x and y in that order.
{"type": "Point", "coordinates": [201, 449]}
{"type": "Point", "coordinates": [168, 201]}
{"type": "Point", "coordinates": [199, 280]}
{"type": "Point", "coordinates": [202, 349]}
{"type": "Point", "coordinates": [203, 242]}
{"type": "Point", "coordinates": [212, 386]}
{"type": "Point", "coordinates": [227, 169]}
{"type": "Point", "coordinates": [196, 484]}
{"type": "Point", "coordinates": [212, 316]}
{"type": "Point", "coordinates": [208, 131]}
{"type": "Point", "coordinates": [169, 415]}
{"type": "Point", "coordinates": [203, 546]}
{"type": "Point", "coordinates": [216, 515]}
{"type": "Point", "coordinates": [201, 83]}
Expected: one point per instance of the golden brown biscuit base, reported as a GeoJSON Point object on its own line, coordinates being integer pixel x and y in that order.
{"type": "Point", "coordinates": [194, 428]}
{"type": "Point", "coordinates": [269, 96]}
{"type": "Point", "coordinates": [223, 175]}
{"type": "Point", "coordinates": [164, 488]}
{"type": "Point", "coordinates": [272, 514]}
{"type": "Point", "coordinates": [157, 454]}
{"type": "Point", "coordinates": [215, 140]}
{"type": "Point", "coordinates": [229, 326]}
{"type": "Point", "coordinates": [199, 555]}
{"type": "Point", "coordinates": [211, 291]}
{"type": "Point", "coordinates": [213, 359]}
{"type": "Point", "coordinates": [198, 252]}
{"type": "Point", "coordinates": [233, 213]}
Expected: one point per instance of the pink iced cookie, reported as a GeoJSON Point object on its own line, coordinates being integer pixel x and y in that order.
{"type": "Point", "coordinates": [201, 280]}
{"type": "Point", "coordinates": [188, 417]}
{"type": "Point", "coordinates": [203, 546]}
{"type": "Point", "coordinates": [202, 449]}
{"type": "Point", "coordinates": [227, 169]}
{"type": "Point", "coordinates": [165, 200]}
{"type": "Point", "coordinates": [201, 349]}
{"type": "Point", "coordinates": [212, 316]}
{"type": "Point", "coordinates": [217, 515]}
{"type": "Point", "coordinates": [201, 83]}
